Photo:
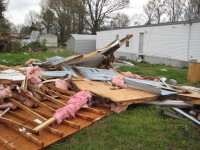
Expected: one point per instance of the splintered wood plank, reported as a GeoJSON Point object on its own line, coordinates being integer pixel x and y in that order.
{"type": "Point", "coordinates": [197, 96]}
{"type": "Point", "coordinates": [128, 96]}
{"type": "Point", "coordinates": [190, 98]}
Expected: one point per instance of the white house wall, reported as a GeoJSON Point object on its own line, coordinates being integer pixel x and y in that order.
{"type": "Point", "coordinates": [194, 44]}
{"type": "Point", "coordinates": [166, 41]}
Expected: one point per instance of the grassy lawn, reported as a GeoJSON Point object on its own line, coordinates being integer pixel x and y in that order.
{"type": "Point", "coordinates": [140, 127]}
{"type": "Point", "coordinates": [16, 58]}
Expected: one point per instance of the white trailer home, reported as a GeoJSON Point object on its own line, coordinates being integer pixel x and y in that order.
{"type": "Point", "coordinates": [171, 43]}
{"type": "Point", "coordinates": [81, 43]}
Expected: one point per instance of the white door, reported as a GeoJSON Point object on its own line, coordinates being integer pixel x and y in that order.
{"type": "Point", "coordinates": [141, 42]}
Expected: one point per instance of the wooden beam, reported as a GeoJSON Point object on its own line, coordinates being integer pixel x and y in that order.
{"type": "Point", "coordinates": [50, 98]}
{"type": "Point", "coordinates": [44, 124]}
{"type": "Point", "coordinates": [51, 92]}
{"type": "Point", "coordinates": [65, 92]}
{"type": "Point", "coordinates": [93, 110]}
{"type": "Point", "coordinates": [38, 102]}
{"type": "Point", "coordinates": [26, 109]}
{"type": "Point", "coordinates": [50, 129]}
{"type": "Point", "coordinates": [28, 136]}
{"type": "Point", "coordinates": [7, 144]}
{"type": "Point", "coordinates": [17, 125]}
{"type": "Point", "coordinates": [85, 117]}
{"type": "Point", "coordinates": [66, 122]}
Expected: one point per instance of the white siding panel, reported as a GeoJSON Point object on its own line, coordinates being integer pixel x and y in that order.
{"type": "Point", "coordinates": [194, 51]}
{"type": "Point", "coordinates": [166, 41]}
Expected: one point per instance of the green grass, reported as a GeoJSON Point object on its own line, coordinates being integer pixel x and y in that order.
{"type": "Point", "coordinates": [140, 127]}
{"type": "Point", "coordinates": [158, 71]}
{"type": "Point", "coordinates": [19, 58]}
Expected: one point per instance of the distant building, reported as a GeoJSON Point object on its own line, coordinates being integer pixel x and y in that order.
{"type": "Point", "coordinates": [51, 40]}
{"type": "Point", "coordinates": [34, 37]}
{"type": "Point", "coordinates": [169, 43]}
{"type": "Point", "coordinates": [81, 43]}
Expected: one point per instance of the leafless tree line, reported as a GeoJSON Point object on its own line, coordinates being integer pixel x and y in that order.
{"type": "Point", "coordinates": [64, 17]}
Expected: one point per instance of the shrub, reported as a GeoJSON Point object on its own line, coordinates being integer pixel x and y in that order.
{"type": "Point", "coordinates": [16, 45]}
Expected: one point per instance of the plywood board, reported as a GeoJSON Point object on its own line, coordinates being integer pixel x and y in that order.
{"type": "Point", "coordinates": [129, 96]}
{"type": "Point", "coordinates": [45, 136]}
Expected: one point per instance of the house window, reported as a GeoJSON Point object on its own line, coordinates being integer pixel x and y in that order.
{"type": "Point", "coordinates": [127, 43]}
{"type": "Point", "coordinates": [117, 37]}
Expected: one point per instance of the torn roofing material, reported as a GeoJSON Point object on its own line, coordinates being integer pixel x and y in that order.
{"type": "Point", "coordinates": [107, 75]}
{"type": "Point", "coordinates": [70, 70]}
{"type": "Point", "coordinates": [96, 74]}
{"type": "Point", "coordinates": [53, 61]}
{"type": "Point", "coordinates": [12, 75]}
{"type": "Point", "coordinates": [93, 59]}
{"type": "Point", "coordinates": [54, 73]}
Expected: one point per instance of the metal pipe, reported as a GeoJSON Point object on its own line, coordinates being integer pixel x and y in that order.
{"type": "Point", "coordinates": [186, 115]}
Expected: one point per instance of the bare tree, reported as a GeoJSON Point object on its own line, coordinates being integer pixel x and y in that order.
{"type": "Point", "coordinates": [159, 6]}
{"type": "Point", "coordinates": [98, 10]}
{"type": "Point", "coordinates": [121, 20]}
{"type": "Point", "coordinates": [33, 21]}
{"type": "Point", "coordinates": [62, 17]}
{"type": "Point", "coordinates": [191, 9]}
{"type": "Point", "coordinates": [174, 10]}
{"type": "Point", "coordinates": [154, 10]}
{"type": "Point", "coordinates": [149, 11]}
{"type": "Point", "coordinates": [31, 17]}
{"type": "Point", "coordinates": [139, 19]}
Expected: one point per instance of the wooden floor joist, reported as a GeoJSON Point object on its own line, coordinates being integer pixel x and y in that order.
{"type": "Point", "coordinates": [7, 144]}
{"type": "Point", "coordinates": [46, 136]}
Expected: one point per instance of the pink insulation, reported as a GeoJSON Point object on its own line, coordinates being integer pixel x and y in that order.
{"type": "Point", "coordinates": [34, 79]}
{"type": "Point", "coordinates": [73, 105]}
{"type": "Point", "coordinates": [62, 84]}
{"type": "Point", "coordinates": [118, 109]}
{"type": "Point", "coordinates": [33, 75]}
{"type": "Point", "coordinates": [28, 102]}
{"type": "Point", "coordinates": [131, 75]}
{"type": "Point", "coordinates": [118, 80]}
{"type": "Point", "coordinates": [8, 105]}
{"type": "Point", "coordinates": [5, 93]}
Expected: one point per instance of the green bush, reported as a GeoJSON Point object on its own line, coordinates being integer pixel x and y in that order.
{"type": "Point", "coordinates": [35, 47]}
{"type": "Point", "coordinates": [16, 45]}
{"type": "Point", "coordinates": [43, 45]}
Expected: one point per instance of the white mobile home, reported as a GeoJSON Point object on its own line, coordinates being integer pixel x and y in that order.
{"type": "Point", "coordinates": [81, 43]}
{"type": "Point", "coordinates": [171, 43]}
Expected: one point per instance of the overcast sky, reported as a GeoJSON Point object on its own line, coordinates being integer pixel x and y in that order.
{"type": "Point", "coordinates": [18, 9]}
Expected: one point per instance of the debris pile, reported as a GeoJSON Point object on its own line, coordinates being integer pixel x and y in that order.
{"type": "Point", "coordinates": [63, 95]}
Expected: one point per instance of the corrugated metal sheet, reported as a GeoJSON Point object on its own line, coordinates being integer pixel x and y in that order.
{"type": "Point", "coordinates": [167, 41]}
